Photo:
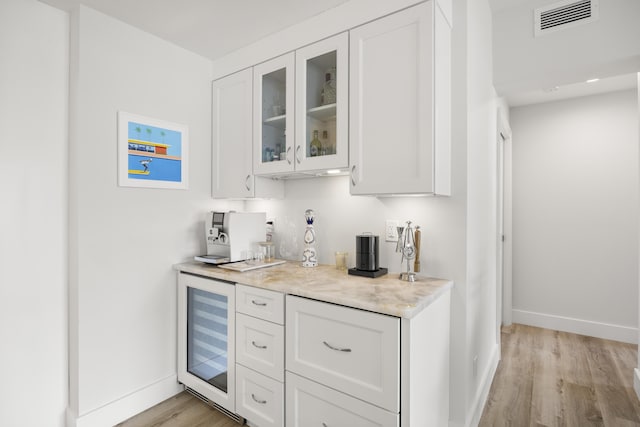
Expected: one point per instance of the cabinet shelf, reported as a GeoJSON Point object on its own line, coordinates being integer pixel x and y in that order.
{"type": "Point", "coordinates": [323, 112]}
{"type": "Point", "coordinates": [276, 121]}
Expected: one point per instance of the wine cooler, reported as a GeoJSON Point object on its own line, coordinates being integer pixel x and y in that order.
{"type": "Point", "coordinates": [206, 344]}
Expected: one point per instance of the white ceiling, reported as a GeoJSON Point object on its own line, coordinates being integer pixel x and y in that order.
{"type": "Point", "coordinates": [214, 28]}
{"type": "Point", "coordinates": [573, 90]}
{"type": "Point", "coordinates": [499, 5]}
{"type": "Point", "coordinates": [530, 69]}
{"type": "Point", "coordinates": [211, 28]}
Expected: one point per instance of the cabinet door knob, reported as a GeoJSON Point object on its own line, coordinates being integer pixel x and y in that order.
{"type": "Point", "coordinates": [298, 153]}
{"type": "Point", "coordinates": [262, 402]}
{"type": "Point", "coordinates": [346, 350]}
{"type": "Point", "coordinates": [246, 183]}
{"type": "Point", "coordinates": [288, 158]}
{"type": "Point", "coordinates": [353, 175]}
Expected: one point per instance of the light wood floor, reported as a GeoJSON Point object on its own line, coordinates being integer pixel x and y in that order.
{"type": "Point", "coordinates": [550, 378]}
{"type": "Point", "coordinates": [546, 378]}
{"type": "Point", "coordinates": [182, 410]}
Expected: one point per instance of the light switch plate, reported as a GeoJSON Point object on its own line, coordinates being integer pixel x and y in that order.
{"type": "Point", "coordinates": [391, 230]}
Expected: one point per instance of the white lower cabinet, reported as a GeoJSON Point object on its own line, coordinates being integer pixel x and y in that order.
{"type": "Point", "coordinates": [350, 367]}
{"type": "Point", "coordinates": [259, 399]}
{"type": "Point", "coordinates": [312, 404]}
{"type": "Point", "coordinates": [261, 303]}
{"type": "Point", "coordinates": [260, 346]}
{"type": "Point", "coordinates": [351, 350]}
{"type": "Point", "coordinates": [260, 361]}
{"type": "Point", "coordinates": [339, 366]}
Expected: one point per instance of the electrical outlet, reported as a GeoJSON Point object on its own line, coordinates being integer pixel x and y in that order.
{"type": "Point", "coordinates": [391, 230]}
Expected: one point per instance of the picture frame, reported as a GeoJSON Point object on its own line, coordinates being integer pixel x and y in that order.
{"type": "Point", "coordinates": [152, 153]}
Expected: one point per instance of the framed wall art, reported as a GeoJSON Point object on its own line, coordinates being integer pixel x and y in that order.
{"type": "Point", "coordinates": [152, 153]}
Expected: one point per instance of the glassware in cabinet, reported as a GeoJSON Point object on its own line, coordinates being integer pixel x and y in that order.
{"type": "Point", "coordinates": [322, 104]}
{"type": "Point", "coordinates": [273, 115]}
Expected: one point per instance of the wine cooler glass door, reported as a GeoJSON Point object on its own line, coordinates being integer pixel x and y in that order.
{"type": "Point", "coordinates": [207, 337]}
{"type": "Point", "coordinates": [206, 357]}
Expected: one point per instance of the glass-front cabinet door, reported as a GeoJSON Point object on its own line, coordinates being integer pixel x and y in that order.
{"type": "Point", "coordinates": [206, 352]}
{"type": "Point", "coordinates": [273, 115]}
{"type": "Point", "coordinates": [321, 105]}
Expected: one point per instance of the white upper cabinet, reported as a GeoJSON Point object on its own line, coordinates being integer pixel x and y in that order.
{"type": "Point", "coordinates": [232, 172]}
{"type": "Point", "coordinates": [322, 94]}
{"type": "Point", "coordinates": [400, 104]}
{"type": "Point", "coordinates": [232, 168]}
{"type": "Point", "coordinates": [273, 103]}
{"type": "Point", "coordinates": [373, 100]}
{"type": "Point", "coordinates": [319, 139]}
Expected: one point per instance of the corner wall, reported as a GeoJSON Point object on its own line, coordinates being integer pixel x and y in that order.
{"type": "Point", "coordinates": [123, 241]}
{"type": "Point", "coordinates": [33, 218]}
{"type": "Point", "coordinates": [482, 336]}
{"type": "Point", "coordinates": [636, 376]}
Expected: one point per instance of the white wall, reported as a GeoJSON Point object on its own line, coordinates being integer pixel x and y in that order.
{"type": "Point", "coordinates": [575, 215]}
{"type": "Point", "coordinates": [340, 217]}
{"type": "Point", "coordinates": [33, 226]}
{"type": "Point", "coordinates": [123, 241]}
{"type": "Point", "coordinates": [606, 47]}
{"type": "Point", "coordinates": [481, 210]}
{"type": "Point", "coordinates": [636, 377]}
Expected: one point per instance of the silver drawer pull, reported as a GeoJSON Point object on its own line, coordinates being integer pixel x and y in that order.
{"type": "Point", "coordinates": [324, 425]}
{"type": "Point", "coordinates": [261, 304]}
{"type": "Point", "coordinates": [258, 346]}
{"type": "Point", "coordinates": [262, 402]}
{"type": "Point", "coordinates": [346, 350]}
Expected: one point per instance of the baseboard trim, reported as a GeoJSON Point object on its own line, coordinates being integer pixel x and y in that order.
{"type": "Point", "coordinates": [577, 326]}
{"type": "Point", "coordinates": [483, 390]}
{"type": "Point", "coordinates": [127, 406]}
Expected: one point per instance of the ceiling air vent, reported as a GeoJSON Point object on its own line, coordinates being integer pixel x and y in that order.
{"type": "Point", "coordinates": [565, 14]}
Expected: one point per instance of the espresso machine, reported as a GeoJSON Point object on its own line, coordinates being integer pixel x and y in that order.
{"type": "Point", "coordinates": [230, 236]}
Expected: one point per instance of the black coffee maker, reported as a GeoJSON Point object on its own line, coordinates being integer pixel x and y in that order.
{"type": "Point", "coordinates": [367, 256]}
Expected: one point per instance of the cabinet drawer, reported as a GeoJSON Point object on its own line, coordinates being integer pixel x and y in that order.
{"type": "Point", "coordinates": [311, 404]}
{"type": "Point", "coordinates": [259, 399]}
{"type": "Point", "coordinates": [354, 351]}
{"type": "Point", "coordinates": [260, 345]}
{"type": "Point", "coordinates": [261, 303]}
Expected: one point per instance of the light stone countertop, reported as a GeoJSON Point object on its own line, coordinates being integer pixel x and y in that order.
{"type": "Point", "coordinates": [386, 294]}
